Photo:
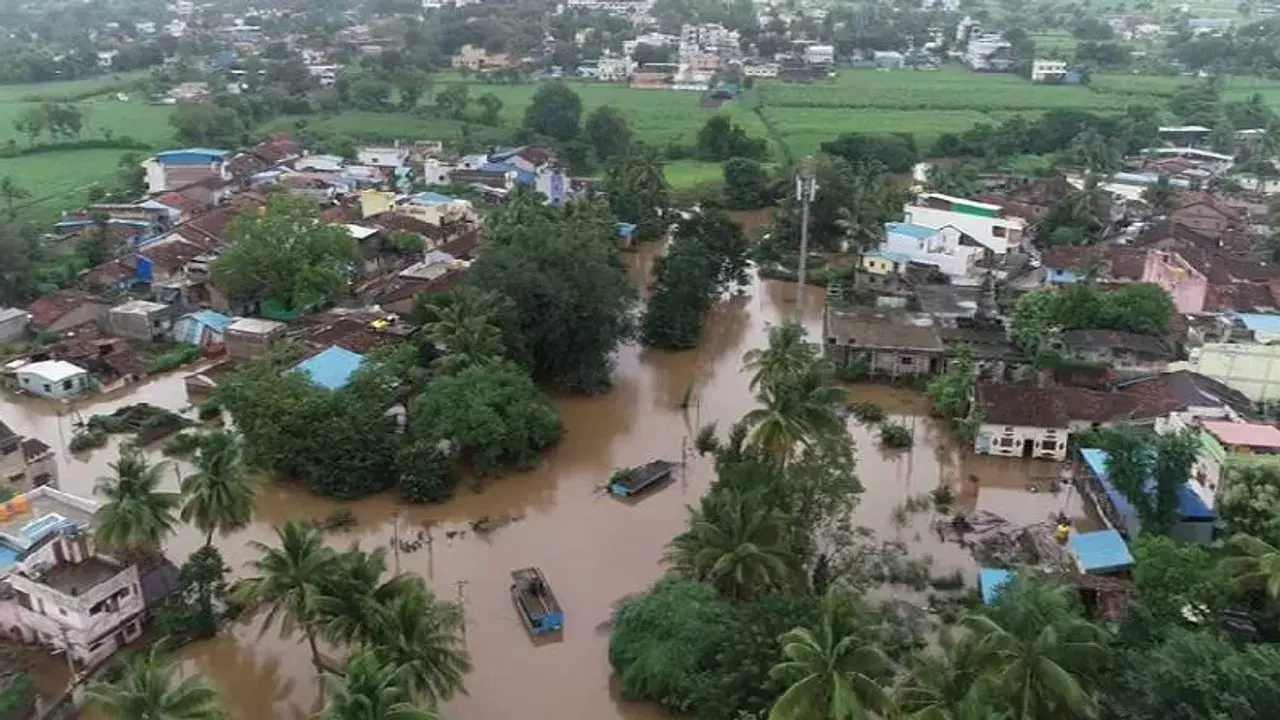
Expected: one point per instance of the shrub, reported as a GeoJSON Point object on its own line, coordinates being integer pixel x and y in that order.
{"type": "Point", "coordinates": [425, 473]}
{"type": "Point", "coordinates": [706, 441]}
{"type": "Point", "coordinates": [869, 413]}
{"type": "Point", "coordinates": [87, 440]}
{"type": "Point", "coordinates": [856, 370]}
{"type": "Point", "coordinates": [209, 409]}
{"type": "Point", "coordinates": [405, 242]}
{"type": "Point", "coordinates": [182, 445]}
{"type": "Point", "coordinates": [943, 497]}
{"type": "Point", "coordinates": [893, 435]}
{"type": "Point", "coordinates": [175, 358]}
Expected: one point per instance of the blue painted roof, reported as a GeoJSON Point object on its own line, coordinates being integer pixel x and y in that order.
{"type": "Point", "coordinates": [625, 229]}
{"type": "Point", "coordinates": [211, 152]}
{"type": "Point", "coordinates": [209, 318]}
{"type": "Point", "coordinates": [431, 198]}
{"type": "Point", "coordinates": [500, 154]}
{"type": "Point", "coordinates": [1102, 551]}
{"type": "Point", "coordinates": [1258, 322]}
{"type": "Point", "coordinates": [900, 258]}
{"type": "Point", "coordinates": [920, 232]}
{"type": "Point", "coordinates": [332, 368]}
{"type": "Point", "coordinates": [1190, 504]}
{"type": "Point", "coordinates": [990, 581]}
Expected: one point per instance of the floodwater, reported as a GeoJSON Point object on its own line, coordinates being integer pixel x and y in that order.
{"type": "Point", "coordinates": [594, 550]}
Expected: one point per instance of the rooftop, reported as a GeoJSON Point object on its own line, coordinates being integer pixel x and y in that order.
{"type": "Point", "coordinates": [46, 510]}
{"type": "Point", "coordinates": [332, 368]}
{"type": "Point", "coordinates": [54, 370]}
{"type": "Point", "coordinates": [919, 232]}
{"type": "Point", "coordinates": [431, 198]}
{"type": "Point", "coordinates": [255, 326]}
{"type": "Point", "coordinates": [1243, 433]}
{"type": "Point", "coordinates": [1118, 339]}
{"type": "Point", "coordinates": [8, 313]}
{"type": "Point", "coordinates": [1102, 551]}
{"type": "Point", "coordinates": [1185, 389]}
{"type": "Point", "coordinates": [210, 318]}
{"type": "Point", "coordinates": [867, 328]}
{"type": "Point", "coordinates": [1257, 322]}
{"type": "Point", "coordinates": [139, 307]}
{"type": "Point", "coordinates": [1190, 505]}
{"type": "Point", "coordinates": [75, 579]}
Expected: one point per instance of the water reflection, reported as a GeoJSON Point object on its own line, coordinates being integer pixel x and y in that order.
{"type": "Point", "coordinates": [593, 549]}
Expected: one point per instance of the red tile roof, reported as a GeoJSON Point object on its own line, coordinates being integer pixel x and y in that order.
{"type": "Point", "coordinates": [50, 308]}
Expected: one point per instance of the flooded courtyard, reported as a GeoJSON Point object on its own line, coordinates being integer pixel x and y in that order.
{"type": "Point", "coordinates": [594, 550]}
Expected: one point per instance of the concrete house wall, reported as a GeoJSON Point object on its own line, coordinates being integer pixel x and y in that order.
{"type": "Point", "coordinates": [1019, 441]}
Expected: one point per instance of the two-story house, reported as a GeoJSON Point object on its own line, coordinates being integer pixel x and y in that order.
{"type": "Point", "coordinates": [987, 223]}
{"type": "Point", "coordinates": [945, 248]}
{"type": "Point", "coordinates": [1184, 282]}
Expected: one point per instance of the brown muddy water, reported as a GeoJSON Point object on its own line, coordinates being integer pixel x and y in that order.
{"type": "Point", "coordinates": [594, 550]}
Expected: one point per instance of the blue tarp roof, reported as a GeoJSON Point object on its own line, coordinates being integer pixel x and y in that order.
{"type": "Point", "coordinates": [192, 151]}
{"type": "Point", "coordinates": [919, 232]}
{"type": "Point", "coordinates": [990, 580]}
{"type": "Point", "coordinates": [431, 198]}
{"type": "Point", "coordinates": [332, 368]}
{"type": "Point", "coordinates": [1259, 322]}
{"type": "Point", "coordinates": [209, 318]}
{"type": "Point", "coordinates": [625, 229]}
{"type": "Point", "coordinates": [900, 258]}
{"type": "Point", "coordinates": [1102, 551]}
{"type": "Point", "coordinates": [1190, 504]}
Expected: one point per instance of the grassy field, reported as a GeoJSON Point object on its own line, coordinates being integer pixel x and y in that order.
{"type": "Point", "coordinates": [57, 180]}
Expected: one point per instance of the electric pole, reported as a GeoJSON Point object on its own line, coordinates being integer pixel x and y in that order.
{"type": "Point", "coordinates": [806, 191]}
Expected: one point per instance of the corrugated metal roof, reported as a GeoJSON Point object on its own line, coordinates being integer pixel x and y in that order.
{"type": "Point", "coordinates": [1100, 552]}
{"type": "Point", "coordinates": [1190, 504]}
{"type": "Point", "coordinates": [332, 368]}
{"type": "Point", "coordinates": [1260, 322]}
{"type": "Point", "coordinates": [209, 318]}
{"type": "Point", "coordinates": [920, 232]}
{"type": "Point", "coordinates": [1247, 434]}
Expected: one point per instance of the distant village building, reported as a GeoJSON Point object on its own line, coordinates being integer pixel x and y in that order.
{"type": "Point", "coordinates": [25, 462]}
{"type": "Point", "coordinates": [986, 223]}
{"type": "Point", "coordinates": [53, 379]}
{"type": "Point", "coordinates": [177, 168]}
{"type": "Point", "coordinates": [820, 55]}
{"type": "Point", "coordinates": [1048, 71]}
{"type": "Point", "coordinates": [989, 52]}
{"type": "Point", "coordinates": [761, 70]}
{"type": "Point", "coordinates": [477, 58]}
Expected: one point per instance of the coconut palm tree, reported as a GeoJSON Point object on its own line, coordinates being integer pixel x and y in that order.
{"type": "Point", "coordinates": [418, 632]}
{"type": "Point", "coordinates": [793, 416]}
{"type": "Point", "coordinates": [136, 515]}
{"type": "Point", "coordinates": [461, 325]}
{"type": "Point", "coordinates": [353, 593]}
{"type": "Point", "coordinates": [288, 581]}
{"type": "Point", "coordinates": [736, 544]}
{"type": "Point", "coordinates": [788, 355]}
{"type": "Point", "coordinates": [1035, 651]}
{"type": "Point", "coordinates": [943, 686]}
{"type": "Point", "coordinates": [1256, 565]}
{"type": "Point", "coordinates": [219, 495]}
{"type": "Point", "coordinates": [148, 690]}
{"type": "Point", "coordinates": [831, 673]}
{"type": "Point", "coordinates": [372, 689]}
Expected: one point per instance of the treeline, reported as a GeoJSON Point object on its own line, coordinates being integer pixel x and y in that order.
{"type": "Point", "coordinates": [707, 256]}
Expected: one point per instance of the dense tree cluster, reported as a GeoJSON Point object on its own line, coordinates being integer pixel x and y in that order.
{"type": "Point", "coordinates": [721, 139]}
{"type": "Point", "coordinates": [570, 299]}
{"type": "Point", "coordinates": [1139, 308]}
{"type": "Point", "coordinates": [895, 153]}
{"type": "Point", "coordinates": [707, 256]}
{"type": "Point", "coordinates": [1052, 132]}
{"type": "Point", "coordinates": [636, 190]}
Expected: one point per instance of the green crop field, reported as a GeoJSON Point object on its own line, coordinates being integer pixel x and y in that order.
{"type": "Point", "coordinates": [805, 129]}
{"type": "Point", "coordinates": [57, 179]}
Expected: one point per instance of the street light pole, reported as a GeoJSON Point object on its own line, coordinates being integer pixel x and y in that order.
{"type": "Point", "coordinates": [806, 191]}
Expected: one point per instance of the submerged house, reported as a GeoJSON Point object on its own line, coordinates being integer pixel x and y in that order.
{"type": "Point", "coordinates": [889, 343]}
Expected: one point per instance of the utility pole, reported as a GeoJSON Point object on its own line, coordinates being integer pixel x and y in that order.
{"type": "Point", "coordinates": [806, 192]}
{"type": "Point", "coordinates": [462, 606]}
{"type": "Point", "coordinates": [395, 539]}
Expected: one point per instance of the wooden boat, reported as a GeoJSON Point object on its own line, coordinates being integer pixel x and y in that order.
{"type": "Point", "coordinates": [535, 602]}
{"type": "Point", "coordinates": [633, 481]}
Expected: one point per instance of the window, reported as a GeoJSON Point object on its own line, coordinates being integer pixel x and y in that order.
{"type": "Point", "coordinates": [1005, 442]}
{"type": "Point", "coordinates": [997, 231]}
{"type": "Point", "coordinates": [66, 385]}
{"type": "Point", "coordinates": [906, 360]}
{"type": "Point", "coordinates": [1049, 445]}
{"type": "Point", "coordinates": [48, 388]}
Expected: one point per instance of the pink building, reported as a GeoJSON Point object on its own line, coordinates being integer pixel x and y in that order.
{"type": "Point", "coordinates": [1186, 285]}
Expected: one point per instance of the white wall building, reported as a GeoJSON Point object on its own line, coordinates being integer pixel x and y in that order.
{"type": "Point", "coordinates": [983, 222]}
{"type": "Point", "coordinates": [942, 248]}
{"type": "Point", "coordinates": [820, 55]}
{"type": "Point", "coordinates": [53, 379]}
{"type": "Point", "coordinates": [761, 70]}
{"type": "Point", "coordinates": [383, 157]}
{"type": "Point", "coordinates": [1048, 71]}
{"type": "Point", "coordinates": [989, 52]}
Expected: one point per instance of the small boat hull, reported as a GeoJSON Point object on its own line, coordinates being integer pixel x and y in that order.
{"type": "Point", "coordinates": [535, 603]}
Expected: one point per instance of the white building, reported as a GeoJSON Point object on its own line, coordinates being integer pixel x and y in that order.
{"type": "Point", "coordinates": [983, 222]}
{"type": "Point", "coordinates": [820, 55]}
{"type": "Point", "coordinates": [53, 379]}
{"type": "Point", "coordinates": [761, 70]}
{"type": "Point", "coordinates": [13, 323]}
{"type": "Point", "coordinates": [989, 52]}
{"type": "Point", "coordinates": [1048, 71]}
{"type": "Point", "coordinates": [614, 69]}
{"type": "Point", "coordinates": [943, 248]}
{"type": "Point", "coordinates": [383, 157]}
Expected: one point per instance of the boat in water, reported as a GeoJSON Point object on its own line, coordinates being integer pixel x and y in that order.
{"type": "Point", "coordinates": [535, 602]}
{"type": "Point", "coordinates": [633, 481]}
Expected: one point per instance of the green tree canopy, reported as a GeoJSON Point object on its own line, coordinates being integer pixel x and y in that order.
{"type": "Point", "coordinates": [288, 254]}
{"type": "Point", "coordinates": [746, 184]}
{"type": "Point", "coordinates": [636, 189]}
{"type": "Point", "coordinates": [607, 131]}
{"type": "Point", "coordinates": [556, 111]}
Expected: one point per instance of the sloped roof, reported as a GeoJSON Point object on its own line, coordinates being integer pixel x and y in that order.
{"type": "Point", "coordinates": [1247, 434]}
{"type": "Point", "coordinates": [332, 367]}
{"type": "Point", "coordinates": [1190, 505]}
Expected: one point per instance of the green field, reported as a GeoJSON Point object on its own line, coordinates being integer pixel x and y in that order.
{"type": "Point", "coordinates": [57, 180]}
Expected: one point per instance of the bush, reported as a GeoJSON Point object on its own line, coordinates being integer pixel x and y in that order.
{"type": "Point", "coordinates": [183, 444]}
{"type": "Point", "coordinates": [175, 358]}
{"type": "Point", "coordinates": [87, 440]}
{"type": "Point", "coordinates": [869, 413]}
{"type": "Point", "coordinates": [209, 409]}
{"type": "Point", "coordinates": [856, 370]}
{"type": "Point", "coordinates": [893, 435]}
{"type": "Point", "coordinates": [405, 242]}
{"type": "Point", "coordinates": [425, 474]}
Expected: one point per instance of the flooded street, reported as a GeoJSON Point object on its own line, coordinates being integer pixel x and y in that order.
{"type": "Point", "coordinates": [595, 550]}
